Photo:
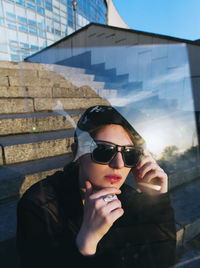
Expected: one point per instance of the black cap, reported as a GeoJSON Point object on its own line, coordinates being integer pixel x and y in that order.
{"type": "Point", "coordinates": [99, 115]}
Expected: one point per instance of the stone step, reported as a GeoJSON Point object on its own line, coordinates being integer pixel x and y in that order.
{"type": "Point", "coordinates": [15, 181]}
{"type": "Point", "coordinates": [12, 106]}
{"type": "Point", "coordinates": [27, 147]}
{"type": "Point", "coordinates": [26, 105]}
{"type": "Point", "coordinates": [64, 69]}
{"type": "Point", "coordinates": [8, 220]}
{"type": "Point", "coordinates": [186, 203]}
{"type": "Point", "coordinates": [16, 178]}
{"type": "Point", "coordinates": [21, 65]}
{"type": "Point", "coordinates": [93, 84]}
{"type": "Point", "coordinates": [80, 77]}
{"type": "Point", "coordinates": [185, 176]}
{"type": "Point", "coordinates": [107, 93]}
{"type": "Point", "coordinates": [62, 89]}
{"type": "Point", "coordinates": [49, 104]}
{"type": "Point", "coordinates": [37, 122]}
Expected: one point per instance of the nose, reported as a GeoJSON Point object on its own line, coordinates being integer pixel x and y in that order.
{"type": "Point", "coordinates": [117, 162]}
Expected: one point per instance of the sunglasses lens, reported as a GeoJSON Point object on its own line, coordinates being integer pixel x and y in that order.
{"type": "Point", "coordinates": [132, 157]}
{"type": "Point", "coordinates": [103, 153]}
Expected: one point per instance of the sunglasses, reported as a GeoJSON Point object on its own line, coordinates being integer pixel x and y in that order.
{"type": "Point", "coordinates": [105, 151]}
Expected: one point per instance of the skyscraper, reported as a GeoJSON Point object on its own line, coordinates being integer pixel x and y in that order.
{"type": "Point", "coordinates": [27, 26]}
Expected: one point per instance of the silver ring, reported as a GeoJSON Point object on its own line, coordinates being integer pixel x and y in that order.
{"type": "Point", "coordinates": [109, 197]}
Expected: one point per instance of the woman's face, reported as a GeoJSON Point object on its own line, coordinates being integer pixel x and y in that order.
{"type": "Point", "coordinates": [112, 174]}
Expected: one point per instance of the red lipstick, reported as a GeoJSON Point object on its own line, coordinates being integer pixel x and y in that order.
{"type": "Point", "coordinates": [113, 177]}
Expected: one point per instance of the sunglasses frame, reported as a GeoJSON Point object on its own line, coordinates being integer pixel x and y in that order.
{"type": "Point", "coordinates": [116, 146]}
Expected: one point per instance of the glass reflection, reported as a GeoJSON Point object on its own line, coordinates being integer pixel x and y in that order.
{"type": "Point", "coordinates": [149, 85]}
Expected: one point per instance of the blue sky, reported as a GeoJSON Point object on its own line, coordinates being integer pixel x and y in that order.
{"type": "Point", "coordinates": [177, 18]}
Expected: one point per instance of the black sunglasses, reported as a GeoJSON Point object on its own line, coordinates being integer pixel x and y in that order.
{"type": "Point", "coordinates": [105, 151]}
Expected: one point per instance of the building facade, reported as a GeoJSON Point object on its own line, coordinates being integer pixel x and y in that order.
{"type": "Point", "coordinates": [27, 26]}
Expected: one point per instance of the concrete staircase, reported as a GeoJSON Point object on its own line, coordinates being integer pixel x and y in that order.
{"type": "Point", "coordinates": [34, 129]}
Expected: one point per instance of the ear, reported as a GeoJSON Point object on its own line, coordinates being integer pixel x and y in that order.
{"type": "Point", "coordinates": [74, 149]}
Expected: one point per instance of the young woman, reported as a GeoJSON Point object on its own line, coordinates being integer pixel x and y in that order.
{"type": "Point", "coordinates": [87, 215]}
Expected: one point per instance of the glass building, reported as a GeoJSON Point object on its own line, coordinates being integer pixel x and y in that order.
{"type": "Point", "coordinates": [27, 26]}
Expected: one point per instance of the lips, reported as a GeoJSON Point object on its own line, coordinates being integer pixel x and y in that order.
{"type": "Point", "coordinates": [113, 178]}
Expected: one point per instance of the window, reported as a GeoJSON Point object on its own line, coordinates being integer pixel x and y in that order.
{"type": "Point", "coordinates": [57, 32]}
{"type": "Point", "coordinates": [50, 36]}
{"type": "Point", "coordinates": [56, 17]}
{"type": "Point", "coordinates": [56, 3]}
{"type": "Point", "coordinates": [10, 15]}
{"type": "Point", "coordinates": [20, 2]}
{"type": "Point", "coordinates": [11, 24]}
{"type": "Point", "coordinates": [63, 20]}
{"type": "Point", "coordinates": [42, 42]}
{"type": "Point", "coordinates": [23, 27]}
{"type": "Point", "coordinates": [22, 19]}
{"type": "Point", "coordinates": [63, 7]}
{"type": "Point", "coordinates": [12, 36]}
{"type": "Point", "coordinates": [56, 11]}
{"type": "Point", "coordinates": [32, 30]}
{"type": "Point", "coordinates": [48, 6]}
{"type": "Point", "coordinates": [69, 3]}
{"type": "Point", "coordinates": [49, 25]}
{"type": "Point", "coordinates": [41, 22]}
{"type": "Point", "coordinates": [70, 17]}
{"type": "Point", "coordinates": [3, 47]}
{"type": "Point", "coordinates": [20, 12]}
{"type": "Point", "coordinates": [13, 49]}
{"type": "Point", "coordinates": [1, 21]}
{"type": "Point", "coordinates": [24, 45]}
{"type": "Point", "coordinates": [70, 23]}
{"type": "Point", "coordinates": [40, 3]}
{"type": "Point", "coordinates": [34, 47]}
{"type": "Point", "coordinates": [40, 10]}
{"type": "Point", "coordinates": [31, 17]}
{"type": "Point", "coordinates": [9, 10]}
{"type": "Point", "coordinates": [69, 10]}
{"type": "Point", "coordinates": [15, 57]}
{"type": "Point", "coordinates": [42, 33]}
{"type": "Point", "coordinates": [32, 23]}
{"type": "Point", "coordinates": [30, 6]}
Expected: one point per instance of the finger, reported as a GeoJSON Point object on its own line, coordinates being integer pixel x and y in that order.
{"type": "Point", "coordinates": [157, 175]}
{"type": "Point", "coordinates": [146, 168]}
{"type": "Point", "coordinates": [116, 214]}
{"type": "Point", "coordinates": [144, 160]}
{"type": "Point", "coordinates": [88, 187]}
{"type": "Point", "coordinates": [106, 191]}
{"type": "Point", "coordinates": [112, 205]}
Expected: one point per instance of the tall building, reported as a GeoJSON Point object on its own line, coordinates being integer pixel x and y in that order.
{"type": "Point", "coordinates": [27, 26]}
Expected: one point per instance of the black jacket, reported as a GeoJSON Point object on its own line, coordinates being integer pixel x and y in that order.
{"type": "Point", "coordinates": [50, 215]}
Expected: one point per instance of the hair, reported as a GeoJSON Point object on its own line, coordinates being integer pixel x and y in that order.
{"type": "Point", "coordinates": [94, 132]}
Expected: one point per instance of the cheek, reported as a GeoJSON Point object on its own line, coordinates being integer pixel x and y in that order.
{"type": "Point", "coordinates": [88, 168]}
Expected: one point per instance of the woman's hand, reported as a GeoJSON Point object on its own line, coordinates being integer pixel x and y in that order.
{"type": "Point", "coordinates": [98, 218]}
{"type": "Point", "coordinates": [150, 177]}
